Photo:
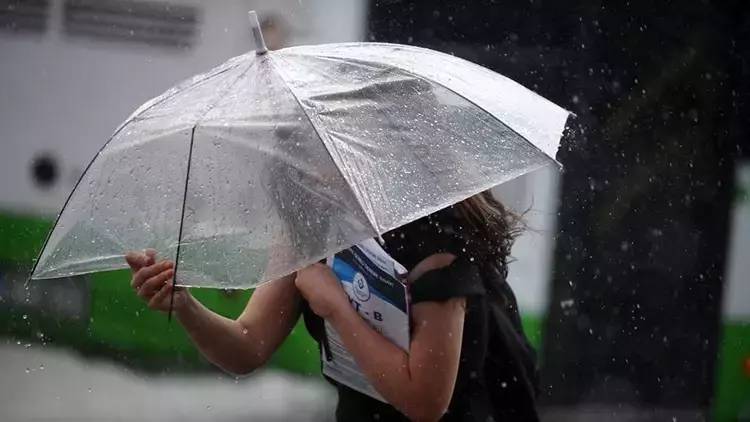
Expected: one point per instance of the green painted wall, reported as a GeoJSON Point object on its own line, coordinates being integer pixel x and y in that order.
{"type": "Point", "coordinates": [120, 325]}
{"type": "Point", "coordinates": [122, 328]}
{"type": "Point", "coordinates": [732, 400]}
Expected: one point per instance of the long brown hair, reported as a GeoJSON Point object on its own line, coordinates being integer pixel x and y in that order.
{"type": "Point", "coordinates": [493, 228]}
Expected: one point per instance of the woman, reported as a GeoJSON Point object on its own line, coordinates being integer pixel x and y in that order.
{"type": "Point", "coordinates": [468, 359]}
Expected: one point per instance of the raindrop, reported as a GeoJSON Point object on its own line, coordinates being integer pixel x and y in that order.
{"type": "Point", "coordinates": [28, 370]}
{"type": "Point", "coordinates": [566, 303]}
{"type": "Point", "coordinates": [244, 331]}
{"type": "Point", "coordinates": [24, 317]}
{"type": "Point", "coordinates": [41, 367]}
{"type": "Point", "coordinates": [91, 390]}
{"type": "Point", "coordinates": [503, 384]}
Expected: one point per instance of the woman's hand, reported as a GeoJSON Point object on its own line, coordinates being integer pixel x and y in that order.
{"type": "Point", "coordinates": [152, 281]}
{"type": "Point", "coordinates": [322, 290]}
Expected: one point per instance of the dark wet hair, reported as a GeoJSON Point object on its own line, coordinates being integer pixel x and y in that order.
{"type": "Point", "coordinates": [479, 229]}
{"type": "Point", "coordinates": [492, 228]}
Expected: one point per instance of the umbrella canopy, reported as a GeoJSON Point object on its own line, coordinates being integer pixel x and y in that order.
{"type": "Point", "coordinates": [272, 161]}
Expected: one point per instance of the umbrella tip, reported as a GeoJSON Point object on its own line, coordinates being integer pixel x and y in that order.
{"type": "Point", "coordinates": [260, 44]}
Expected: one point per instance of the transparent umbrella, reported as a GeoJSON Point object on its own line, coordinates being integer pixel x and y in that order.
{"type": "Point", "coordinates": [276, 159]}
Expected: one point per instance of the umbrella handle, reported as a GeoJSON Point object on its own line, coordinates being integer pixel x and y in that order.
{"type": "Point", "coordinates": [260, 43]}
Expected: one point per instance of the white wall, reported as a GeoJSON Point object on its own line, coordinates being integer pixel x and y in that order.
{"type": "Point", "coordinates": [736, 302]}
{"type": "Point", "coordinates": [65, 96]}
{"type": "Point", "coordinates": [536, 194]}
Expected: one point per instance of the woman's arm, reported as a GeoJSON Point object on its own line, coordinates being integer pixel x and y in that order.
{"type": "Point", "coordinates": [418, 383]}
{"type": "Point", "coordinates": [240, 346]}
{"type": "Point", "coordinates": [237, 346]}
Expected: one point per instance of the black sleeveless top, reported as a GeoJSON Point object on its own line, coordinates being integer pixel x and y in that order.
{"type": "Point", "coordinates": [472, 397]}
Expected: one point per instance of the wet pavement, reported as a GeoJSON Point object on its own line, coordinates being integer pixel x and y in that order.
{"type": "Point", "coordinates": [48, 384]}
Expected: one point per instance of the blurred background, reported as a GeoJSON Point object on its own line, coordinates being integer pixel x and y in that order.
{"type": "Point", "coordinates": [633, 279]}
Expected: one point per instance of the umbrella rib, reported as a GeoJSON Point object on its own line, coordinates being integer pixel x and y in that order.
{"type": "Point", "coordinates": [369, 214]}
{"type": "Point", "coordinates": [415, 48]}
{"type": "Point", "coordinates": [483, 110]}
{"type": "Point", "coordinates": [182, 221]}
{"type": "Point", "coordinates": [116, 132]}
{"type": "Point", "coordinates": [187, 181]}
{"type": "Point", "coordinates": [432, 81]}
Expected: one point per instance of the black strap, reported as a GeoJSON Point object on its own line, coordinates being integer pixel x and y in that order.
{"type": "Point", "coordinates": [460, 279]}
{"type": "Point", "coordinates": [316, 327]}
{"type": "Point", "coordinates": [324, 343]}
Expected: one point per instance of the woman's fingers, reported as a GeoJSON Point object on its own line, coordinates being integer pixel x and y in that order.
{"type": "Point", "coordinates": [136, 260]}
{"type": "Point", "coordinates": [156, 300]}
{"type": "Point", "coordinates": [155, 283]}
{"type": "Point", "coordinates": [150, 256]}
{"type": "Point", "coordinates": [150, 279]}
{"type": "Point", "coordinates": [147, 272]}
{"type": "Point", "coordinates": [139, 259]}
